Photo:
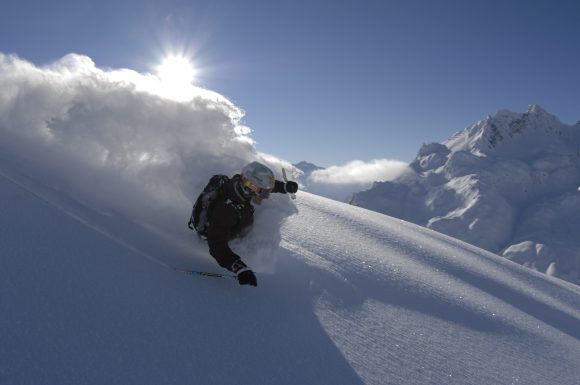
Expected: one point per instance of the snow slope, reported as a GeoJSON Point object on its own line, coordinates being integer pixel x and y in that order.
{"type": "Point", "coordinates": [508, 184]}
{"type": "Point", "coordinates": [92, 224]}
{"type": "Point", "coordinates": [345, 296]}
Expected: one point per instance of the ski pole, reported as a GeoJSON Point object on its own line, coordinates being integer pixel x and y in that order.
{"type": "Point", "coordinates": [292, 195]}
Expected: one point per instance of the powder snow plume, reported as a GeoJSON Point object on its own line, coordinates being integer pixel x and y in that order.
{"type": "Point", "coordinates": [114, 137]}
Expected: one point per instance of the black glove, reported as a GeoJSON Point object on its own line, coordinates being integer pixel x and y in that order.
{"type": "Point", "coordinates": [247, 277]}
{"type": "Point", "coordinates": [291, 187]}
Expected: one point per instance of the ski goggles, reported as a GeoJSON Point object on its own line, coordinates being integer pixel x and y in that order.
{"type": "Point", "coordinates": [262, 193]}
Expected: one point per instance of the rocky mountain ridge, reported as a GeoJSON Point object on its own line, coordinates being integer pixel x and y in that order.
{"type": "Point", "coordinates": [508, 183]}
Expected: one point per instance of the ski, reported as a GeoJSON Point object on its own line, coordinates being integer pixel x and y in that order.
{"type": "Point", "coordinates": [205, 273]}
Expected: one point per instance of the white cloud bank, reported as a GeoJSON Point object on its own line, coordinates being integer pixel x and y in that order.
{"type": "Point", "coordinates": [359, 172]}
{"type": "Point", "coordinates": [340, 182]}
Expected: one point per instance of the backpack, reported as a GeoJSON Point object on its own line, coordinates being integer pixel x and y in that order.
{"type": "Point", "coordinates": [201, 211]}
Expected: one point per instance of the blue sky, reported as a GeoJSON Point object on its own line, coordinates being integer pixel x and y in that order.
{"type": "Point", "coordinates": [331, 81]}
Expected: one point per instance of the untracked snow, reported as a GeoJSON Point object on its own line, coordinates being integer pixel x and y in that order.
{"type": "Point", "coordinates": [89, 238]}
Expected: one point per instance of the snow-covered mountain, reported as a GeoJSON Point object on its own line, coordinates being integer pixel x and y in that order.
{"type": "Point", "coordinates": [97, 177]}
{"type": "Point", "coordinates": [508, 184]}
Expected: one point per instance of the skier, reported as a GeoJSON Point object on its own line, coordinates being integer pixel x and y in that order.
{"type": "Point", "coordinates": [230, 213]}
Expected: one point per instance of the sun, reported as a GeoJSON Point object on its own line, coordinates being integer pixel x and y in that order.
{"type": "Point", "coordinates": [176, 69]}
{"type": "Point", "coordinates": [176, 75]}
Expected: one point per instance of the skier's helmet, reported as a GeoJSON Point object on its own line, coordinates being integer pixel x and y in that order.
{"type": "Point", "coordinates": [258, 180]}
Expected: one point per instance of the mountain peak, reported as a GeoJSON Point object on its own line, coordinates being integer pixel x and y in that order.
{"type": "Point", "coordinates": [307, 168]}
{"type": "Point", "coordinates": [508, 129]}
{"type": "Point", "coordinates": [536, 109]}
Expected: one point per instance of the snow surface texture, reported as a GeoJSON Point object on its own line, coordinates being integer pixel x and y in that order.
{"type": "Point", "coordinates": [508, 184]}
{"type": "Point", "coordinates": [91, 227]}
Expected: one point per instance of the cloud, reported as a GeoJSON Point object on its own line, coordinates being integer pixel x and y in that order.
{"type": "Point", "coordinates": [340, 182]}
{"type": "Point", "coordinates": [359, 172]}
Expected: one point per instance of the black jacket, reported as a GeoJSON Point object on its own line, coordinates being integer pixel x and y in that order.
{"type": "Point", "coordinates": [230, 216]}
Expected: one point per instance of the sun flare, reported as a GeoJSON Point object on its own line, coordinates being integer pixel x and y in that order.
{"type": "Point", "coordinates": [176, 69]}
{"type": "Point", "coordinates": [177, 74]}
